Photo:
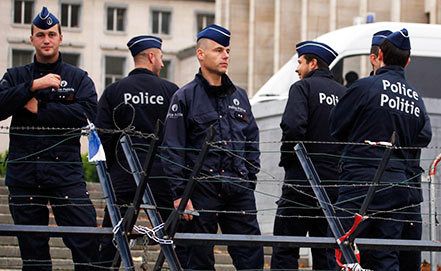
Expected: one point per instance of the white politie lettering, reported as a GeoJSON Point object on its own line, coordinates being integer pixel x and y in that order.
{"type": "Point", "coordinates": [402, 98]}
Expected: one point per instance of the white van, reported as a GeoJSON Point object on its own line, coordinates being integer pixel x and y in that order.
{"type": "Point", "coordinates": [353, 46]}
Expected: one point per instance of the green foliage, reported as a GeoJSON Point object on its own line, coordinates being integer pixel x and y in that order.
{"type": "Point", "coordinates": [89, 168]}
{"type": "Point", "coordinates": [3, 163]}
{"type": "Point", "coordinates": [90, 173]}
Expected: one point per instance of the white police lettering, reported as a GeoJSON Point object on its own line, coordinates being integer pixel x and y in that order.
{"type": "Point", "coordinates": [330, 100]}
{"type": "Point", "coordinates": [143, 98]}
{"type": "Point", "coordinates": [400, 101]}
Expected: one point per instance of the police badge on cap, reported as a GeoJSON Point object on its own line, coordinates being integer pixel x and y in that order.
{"type": "Point", "coordinates": [45, 19]}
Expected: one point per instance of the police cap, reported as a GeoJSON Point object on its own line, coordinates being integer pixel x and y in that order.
{"type": "Point", "coordinates": [400, 39]}
{"type": "Point", "coordinates": [379, 37]}
{"type": "Point", "coordinates": [140, 43]}
{"type": "Point", "coordinates": [45, 19]}
{"type": "Point", "coordinates": [321, 50]}
{"type": "Point", "coordinates": [216, 33]}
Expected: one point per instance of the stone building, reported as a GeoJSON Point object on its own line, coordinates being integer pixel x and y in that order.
{"type": "Point", "coordinates": [265, 32]}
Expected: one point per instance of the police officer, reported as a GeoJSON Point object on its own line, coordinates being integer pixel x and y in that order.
{"type": "Point", "coordinates": [372, 109]}
{"type": "Point", "coordinates": [377, 39]}
{"type": "Point", "coordinates": [137, 101]}
{"type": "Point", "coordinates": [412, 228]}
{"type": "Point", "coordinates": [306, 118]}
{"type": "Point", "coordinates": [45, 166]}
{"type": "Point", "coordinates": [212, 100]}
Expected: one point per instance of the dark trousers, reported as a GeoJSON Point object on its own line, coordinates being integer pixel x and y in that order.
{"type": "Point", "coordinates": [387, 206]}
{"type": "Point", "coordinates": [298, 215]}
{"type": "Point", "coordinates": [297, 224]}
{"type": "Point", "coordinates": [382, 226]}
{"type": "Point", "coordinates": [412, 230]}
{"type": "Point", "coordinates": [107, 248]}
{"type": "Point", "coordinates": [223, 197]}
{"type": "Point", "coordinates": [71, 206]}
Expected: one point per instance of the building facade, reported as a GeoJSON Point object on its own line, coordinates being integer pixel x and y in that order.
{"type": "Point", "coordinates": [96, 32]}
{"type": "Point", "coordinates": [265, 32]}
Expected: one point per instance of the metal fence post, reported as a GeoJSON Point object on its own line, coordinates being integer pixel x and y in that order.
{"type": "Point", "coordinates": [432, 207]}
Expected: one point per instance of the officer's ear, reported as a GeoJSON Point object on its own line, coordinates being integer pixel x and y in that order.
{"type": "Point", "coordinates": [380, 55]}
{"type": "Point", "coordinates": [151, 56]}
{"type": "Point", "coordinates": [372, 58]}
{"type": "Point", "coordinates": [313, 64]}
{"type": "Point", "coordinates": [200, 54]}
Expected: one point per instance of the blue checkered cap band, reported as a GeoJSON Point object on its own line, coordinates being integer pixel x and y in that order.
{"type": "Point", "coordinates": [45, 19]}
{"type": "Point", "coordinates": [321, 50]}
{"type": "Point", "coordinates": [141, 43]}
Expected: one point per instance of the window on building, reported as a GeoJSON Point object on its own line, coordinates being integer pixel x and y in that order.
{"type": "Point", "coordinates": [161, 22]}
{"type": "Point", "coordinates": [70, 15]}
{"type": "Point", "coordinates": [23, 11]}
{"type": "Point", "coordinates": [166, 70]}
{"type": "Point", "coordinates": [21, 57]}
{"type": "Point", "coordinates": [114, 69]}
{"type": "Point", "coordinates": [116, 19]}
{"type": "Point", "coordinates": [72, 59]}
{"type": "Point", "coordinates": [204, 19]}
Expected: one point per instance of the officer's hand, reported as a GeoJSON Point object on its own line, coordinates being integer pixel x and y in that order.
{"type": "Point", "coordinates": [50, 80]}
{"type": "Point", "coordinates": [189, 207]}
{"type": "Point", "coordinates": [32, 105]}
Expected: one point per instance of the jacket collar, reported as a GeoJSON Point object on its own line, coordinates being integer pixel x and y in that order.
{"type": "Point", "coordinates": [320, 73]}
{"type": "Point", "coordinates": [47, 67]}
{"type": "Point", "coordinates": [394, 68]}
{"type": "Point", "coordinates": [226, 88]}
{"type": "Point", "coordinates": [141, 71]}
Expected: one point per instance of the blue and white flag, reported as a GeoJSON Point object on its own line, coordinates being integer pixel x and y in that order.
{"type": "Point", "coordinates": [96, 151]}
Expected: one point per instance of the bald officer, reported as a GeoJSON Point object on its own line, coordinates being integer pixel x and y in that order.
{"type": "Point", "coordinates": [45, 167]}
{"type": "Point", "coordinates": [372, 109]}
{"type": "Point", "coordinates": [306, 118]}
{"type": "Point", "coordinates": [137, 101]}
{"type": "Point", "coordinates": [212, 100]}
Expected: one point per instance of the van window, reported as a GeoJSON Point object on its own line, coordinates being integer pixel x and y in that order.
{"type": "Point", "coordinates": [422, 72]}
{"type": "Point", "coordinates": [350, 68]}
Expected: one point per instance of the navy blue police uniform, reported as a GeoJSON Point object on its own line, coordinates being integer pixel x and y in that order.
{"type": "Point", "coordinates": [412, 229]}
{"type": "Point", "coordinates": [136, 102]}
{"type": "Point", "coordinates": [306, 119]}
{"type": "Point", "coordinates": [372, 109]}
{"type": "Point", "coordinates": [230, 168]}
{"type": "Point", "coordinates": [45, 166]}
